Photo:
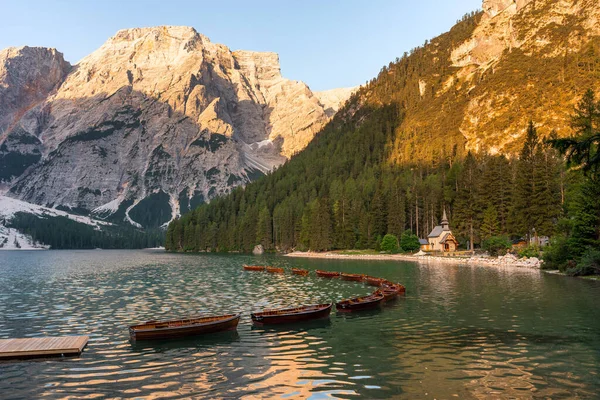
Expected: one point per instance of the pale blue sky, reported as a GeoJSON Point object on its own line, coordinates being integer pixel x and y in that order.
{"type": "Point", "coordinates": [325, 43]}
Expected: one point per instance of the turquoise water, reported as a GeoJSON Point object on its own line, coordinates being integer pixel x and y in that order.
{"type": "Point", "coordinates": [460, 332]}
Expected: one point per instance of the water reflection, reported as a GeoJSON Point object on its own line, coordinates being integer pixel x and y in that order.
{"type": "Point", "coordinates": [464, 332]}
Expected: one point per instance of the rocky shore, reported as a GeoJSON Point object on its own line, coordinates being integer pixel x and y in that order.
{"type": "Point", "coordinates": [507, 260]}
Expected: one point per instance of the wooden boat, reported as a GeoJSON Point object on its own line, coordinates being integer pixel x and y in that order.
{"type": "Point", "coordinates": [178, 328]}
{"type": "Point", "coordinates": [275, 270]}
{"type": "Point", "coordinates": [254, 267]}
{"type": "Point", "coordinates": [360, 303]}
{"type": "Point", "coordinates": [327, 274]}
{"type": "Point", "coordinates": [389, 292]}
{"type": "Point", "coordinates": [288, 315]}
{"type": "Point", "coordinates": [373, 281]}
{"type": "Point", "coordinates": [352, 277]}
{"type": "Point", "coordinates": [300, 271]}
{"type": "Point", "coordinates": [400, 288]}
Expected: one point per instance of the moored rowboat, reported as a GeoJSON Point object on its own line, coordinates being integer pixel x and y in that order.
{"type": "Point", "coordinates": [300, 271]}
{"type": "Point", "coordinates": [288, 315]}
{"type": "Point", "coordinates": [360, 303]}
{"type": "Point", "coordinates": [389, 292]}
{"type": "Point", "coordinates": [254, 267]}
{"type": "Point", "coordinates": [400, 288]}
{"type": "Point", "coordinates": [373, 281]}
{"type": "Point", "coordinates": [327, 274]}
{"type": "Point", "coordinates": [275, 270]}
{"type": "Point", "coordinates": [178, 328]}
{"type": "Point", "coordinates": [352, 277]}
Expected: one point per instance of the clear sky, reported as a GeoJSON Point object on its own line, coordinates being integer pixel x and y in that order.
{"type": "Point", "coordinates": [325, 43]}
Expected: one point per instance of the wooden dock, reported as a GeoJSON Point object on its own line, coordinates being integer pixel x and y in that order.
{"type": "Point", "coordinates": [56, 346]}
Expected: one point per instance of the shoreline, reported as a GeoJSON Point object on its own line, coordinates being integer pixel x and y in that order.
{"type": "Point", "coordinates": [508, 260]}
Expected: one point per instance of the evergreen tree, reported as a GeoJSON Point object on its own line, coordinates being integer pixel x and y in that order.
{"type": "Point", "coordinates": [490, 225]}
{"type": "Point", "coordinates": [320, 225]}
{"type": "Point", "coordinates": [547, 196]}
{"type": "Point", "coordinates": [396, 213]}
{"type": "Point", "coordinates": [467, 205]}
{"type": "Point", "coordinates": [524, 212]}
{"type": "Point", "coordinates": [264, 234]}
{"type": "Point", "coordinates": [170, 244]}
{"type": "Point", "coordinates": [582, 149]}
{"type": "Point", "coordinates": [497, 180]}
{"type": "Point", "coordinates": [585, 212]}
{"type": "Point", "coordinates": [305, 231]}
{"type": "Point", "coordinates": [379, 212]}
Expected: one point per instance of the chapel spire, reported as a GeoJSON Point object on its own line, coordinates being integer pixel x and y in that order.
{"type": "Point", "coordinates": [445, 224]}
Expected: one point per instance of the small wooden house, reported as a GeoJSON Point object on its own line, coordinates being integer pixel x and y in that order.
{"type": "Point", "coordinates": [424, 244]}
{"type": "Point", "coordinates": [440, 238]}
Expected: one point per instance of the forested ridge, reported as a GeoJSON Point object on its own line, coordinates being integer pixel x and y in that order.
{"type": "Point", "coordinates": [352, 185]}
{"type": "Point", "coordinates": [63, 233]}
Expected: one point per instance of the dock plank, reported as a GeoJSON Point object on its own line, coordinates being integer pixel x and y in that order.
{"type": "Point", "coordinates": [43, 346]}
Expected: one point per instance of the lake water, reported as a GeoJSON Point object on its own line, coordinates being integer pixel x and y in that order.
{"type": "Point", "coordinates": [460, 331]}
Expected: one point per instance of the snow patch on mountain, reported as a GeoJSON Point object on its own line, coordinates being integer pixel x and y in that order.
{"type": "Point", "coordinates": [9, 207]}
{"type": "Point", "coordinates": [109, 208]}
{"type": "Point", "coordinates": [12, 239]}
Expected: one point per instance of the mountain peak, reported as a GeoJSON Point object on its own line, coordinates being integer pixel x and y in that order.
{"type": "Point", "coordinates": [155, 115]}
{"type": "Point", "coordinates": [259, 65]}
{"type": "Point", "coordinates": [495, 7]}
{"type": "Point", "coordinates": [156, 32]}
{"type": "Point", "coordinates": [27, 76]}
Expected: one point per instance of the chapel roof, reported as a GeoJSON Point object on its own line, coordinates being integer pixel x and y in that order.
{"type": "Point", "coordinates": [436, 232]}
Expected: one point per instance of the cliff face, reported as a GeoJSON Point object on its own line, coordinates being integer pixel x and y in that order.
{"type": "Point", "coordinates": [526, 42]}
{"type": "Point", "coordinates": [478, 86]}
{"type": "Point", "coordinates": [27, 76]}
{"type": "Point", "coordinates": [154, 122]}
{"type": "Point", "coordinates": [334, 99]}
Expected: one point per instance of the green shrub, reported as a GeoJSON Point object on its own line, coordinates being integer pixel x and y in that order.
{"type": "Point", "coordinates": [557, 254]}
{"type": "Point", "coordinates": [409, 241]}
{"type": "Point", "coordinates": [529, 251]}
{"type": "Point", "coordinates": [378, 241]}
{"type": "Point", "coordinates": [389, 243]}
{"type": "Point", "coordinates": [496, 245]}
{"type": "Point", "coordinates": [589, 264]}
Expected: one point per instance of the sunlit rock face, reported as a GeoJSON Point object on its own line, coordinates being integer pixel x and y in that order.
{"type": "Point", "coordinates": [495, 7]}
{"type": "Point", "coordinates": [533, 29]}
{"type": "Point", "coordinates": [334, 99]}
{"type": "Point", "coordinates": [27, 76]}
{"type": "Point", "coordinates": [153, 123]}
{"type": "Point", "coordinates": [519, 60]}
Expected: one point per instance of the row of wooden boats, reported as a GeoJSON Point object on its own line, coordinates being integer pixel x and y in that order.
{"type": "Point", "coordinates": [178, 328]}
{"type": "Point", "coordinates": [273, 270]}
{"type": "Point", "coordinates": [387, 292]}
{"type": "Point", "coordinates": [370, 280]}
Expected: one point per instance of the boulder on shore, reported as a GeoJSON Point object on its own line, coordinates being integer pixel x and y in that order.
{"type": "Point", "coordinates": [258, 250]}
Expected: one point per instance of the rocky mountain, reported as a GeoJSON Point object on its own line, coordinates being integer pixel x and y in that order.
{"type": "Point", "coordinates": [397, 153]}
{"type": "Point", "coordinates": [27, 76]}
{"type": "Point", "coordinates": [12, 239]}
{"type": "Point", "coordinates": [477, 86]}
{"type": "Point", "coordinates": [334, 99]}
{"type": "Point", "coordinates": [153, 123]}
